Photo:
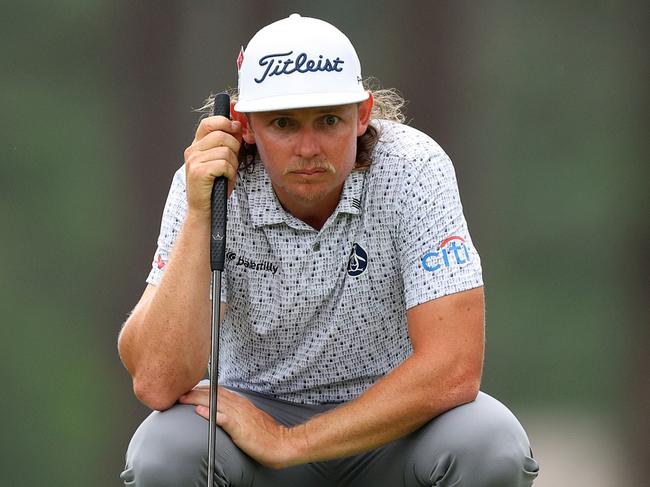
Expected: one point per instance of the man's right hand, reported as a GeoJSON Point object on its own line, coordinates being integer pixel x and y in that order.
{"type": "Point", "coordinates": [213, 153]}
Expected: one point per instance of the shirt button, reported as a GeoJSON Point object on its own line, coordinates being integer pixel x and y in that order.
{"type": "Point", "coordinates": [316, 247]}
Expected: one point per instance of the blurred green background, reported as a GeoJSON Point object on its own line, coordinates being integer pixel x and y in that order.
{"type": "Point", "coordinates": [542, 106]}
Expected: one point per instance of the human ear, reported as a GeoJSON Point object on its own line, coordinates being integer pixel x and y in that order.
{"type": "Point", "coordinates": [363, 115]}
{"type": "Point", "coordinates": [247, 132]}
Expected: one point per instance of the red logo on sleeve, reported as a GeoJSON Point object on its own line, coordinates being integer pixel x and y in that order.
{"type": "Point", "coordinates": [159, 262]}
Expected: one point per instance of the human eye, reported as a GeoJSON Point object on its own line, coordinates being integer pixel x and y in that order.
{"type": "Point", "coordinates": [281, 122]}
{"type": "Point", "coordinates": [330, 120]}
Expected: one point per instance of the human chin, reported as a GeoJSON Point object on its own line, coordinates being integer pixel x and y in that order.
{"type": "Point", "coordinates": [308, 191]}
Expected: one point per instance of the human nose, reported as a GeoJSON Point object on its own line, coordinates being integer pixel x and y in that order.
{"type": "Point", "coordinates": [307, 145]}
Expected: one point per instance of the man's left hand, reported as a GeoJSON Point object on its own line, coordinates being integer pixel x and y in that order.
{"type": "Point", "coordinates": [254, 431]}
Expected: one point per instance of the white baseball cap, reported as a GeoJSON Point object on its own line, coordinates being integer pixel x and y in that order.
{"type": "Point", "coordinates": [298, 62]}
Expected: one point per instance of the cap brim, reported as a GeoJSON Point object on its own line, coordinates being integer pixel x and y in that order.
{"type": "Point", "coordinates": [308, 100]}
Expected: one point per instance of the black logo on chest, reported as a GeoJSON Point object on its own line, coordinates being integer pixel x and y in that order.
{"type": "Point", "coordinates": [358, 261]}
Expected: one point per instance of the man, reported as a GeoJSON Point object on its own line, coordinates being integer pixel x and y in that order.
{"type": "Point", "coordinates": [352, 343]}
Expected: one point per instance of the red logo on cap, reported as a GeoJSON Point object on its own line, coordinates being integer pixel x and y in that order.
{"type": "Point", "coordinates": [240, 58]}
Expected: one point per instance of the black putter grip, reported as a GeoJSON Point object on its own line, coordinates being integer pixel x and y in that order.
{"type": "Point", "coordinates": [219, 199]}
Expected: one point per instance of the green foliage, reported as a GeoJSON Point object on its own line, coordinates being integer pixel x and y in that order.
{"type": "Point", "coordinates": [560, 86]}
{"type": "Point", "coordinates": [57, 183]}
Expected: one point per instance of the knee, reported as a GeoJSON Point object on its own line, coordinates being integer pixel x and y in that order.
{"type": "Point", "coordinates": [483, 445]}
{"type": "Point", "coordinates": [496, 451]}
{"type": "Point", "coordinates": [148, 470]}
{"type": "Point", "coordinates": [168, 449]}
{"type": "Point", "coordinates": [476, 462]}
{"type": "Point", "coordinates": [496, 462]}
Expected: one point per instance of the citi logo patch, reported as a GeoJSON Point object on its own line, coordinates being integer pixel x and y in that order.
{"type": "Point", "coordinates": [451, 251]}
{"type": "Point", "coordinates": [358, 261]}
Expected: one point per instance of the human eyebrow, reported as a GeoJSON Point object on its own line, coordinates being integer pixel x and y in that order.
{"type": "Point", "coordinates": [280, 113]}
{"type": "Point", "coordinates": [334, 110]}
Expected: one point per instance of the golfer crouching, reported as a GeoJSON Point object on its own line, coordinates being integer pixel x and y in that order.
{"type": "Point", "coordinates": [352, 333]}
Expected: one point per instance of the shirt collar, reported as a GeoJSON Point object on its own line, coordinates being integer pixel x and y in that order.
{"type": "Point", "coordinates": [265, 209]}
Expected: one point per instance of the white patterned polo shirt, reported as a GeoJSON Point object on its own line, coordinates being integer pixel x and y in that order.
{"type": "Point", "coordinates": [317, 316]}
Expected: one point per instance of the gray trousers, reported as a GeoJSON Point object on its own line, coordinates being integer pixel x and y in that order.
{"type": "Point", "coordinates": [480, 444]}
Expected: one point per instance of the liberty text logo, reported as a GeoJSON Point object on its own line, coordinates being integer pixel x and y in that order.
{"type": "Point", "coordinates": [264, 265]}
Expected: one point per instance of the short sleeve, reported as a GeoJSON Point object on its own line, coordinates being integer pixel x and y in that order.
{"type": "Point", "coordinates": [170, 226]}
{"type": "Point", "coordinates": [436, 252]}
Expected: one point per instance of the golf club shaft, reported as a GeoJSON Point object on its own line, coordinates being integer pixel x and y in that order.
{"type": "Point", "coordinates": [214, 373]}
{"type": "Point", "coordinates": [219, 205]}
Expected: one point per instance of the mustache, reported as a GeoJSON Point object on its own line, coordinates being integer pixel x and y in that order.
{"type": "Point", "coordinates": [310, 165]}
